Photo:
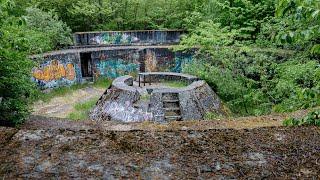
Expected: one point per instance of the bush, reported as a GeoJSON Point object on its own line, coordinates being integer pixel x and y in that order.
{"type": "Point", "coordinates": [250, 80]}
{"type": "Point", "coordinates": [56, 32]}
{"type": "Point", "coordinates": [15, 87]}
{"type": "Point", "coordinates": [312, 119]}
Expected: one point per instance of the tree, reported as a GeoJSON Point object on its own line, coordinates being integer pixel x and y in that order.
{"type": "Point", "coordinates": [56, 32]}
{"type": "Point", "coordinates": [302, 23]}
{"type": "Point", "coordinates": [16, 89]}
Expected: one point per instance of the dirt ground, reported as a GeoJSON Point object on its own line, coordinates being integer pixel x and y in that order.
{"type": "Point", "coordinates": [82, 150]}
{"type": "Point", "coordinates": [62, 106]}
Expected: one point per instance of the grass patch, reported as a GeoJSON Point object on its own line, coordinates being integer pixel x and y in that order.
{"type": "Point", "coordinates": [176, 84]}
{"type": "Point", "coordinates": [212, 116]}
{"type": "Point", "coordinates": [62, 91]}
{"type": "Point", "coordinates": [102, 83]}
{"type": "Point", "coordinates": [82, 109]}
{"type": "Point", "coordinates": [145, 97]}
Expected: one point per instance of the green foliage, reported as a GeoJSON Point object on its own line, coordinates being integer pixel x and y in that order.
{"type": "Point", "coordinates": [298, 85]}
{"type": "Point", "coordinates": [102, 83]}
{"type": "Point", "coordinates": [252, 80]}
{"type": "Point", "coordinates": [15, 86]}
{"type": "Point", "coordinates": [312, 119]}
{"type": "Point", "coordinates": [301, 20]}
{"type": "Point", "coordinates": [56, 32]}
{"type": "Point", "coordinates": [35, 32]}
{"type": "Point", "coordinates": [86, 15]}
{"type": "Point", "coordinates": [212, 116]}
{"type": "Point", "coordinates": [256, 83]}
{"type": "Point", "coordinates": [208, 35]}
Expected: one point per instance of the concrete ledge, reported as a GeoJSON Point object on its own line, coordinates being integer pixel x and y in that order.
{"type": "Point", "coordinates": [157, 76]}
{"type": "Point", "coordinates": [125, 83]}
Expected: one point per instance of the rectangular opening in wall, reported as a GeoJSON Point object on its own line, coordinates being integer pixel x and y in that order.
{"type": "Point", "coordinates": [86, 64]}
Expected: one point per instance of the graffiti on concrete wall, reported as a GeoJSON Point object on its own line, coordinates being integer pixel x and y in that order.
{"type": "Point", "coordinates": [54, 74]}
{"type": "Point", "coordinates": [65, 69]}
{"type": "Point", "coordinates": [163, 60]}
{"type": "Point", "coordinates": [150, 60]}
{"type": "Point", "coordinates": [128, 38]}
{"type": "Point", "coordinates": [180, 62]}
{"type": "Point", "coordinates": [113, 64]}
{"type": "Point", "coordinates": [116, 67]}
{"type": "Point", "coordinates": [113, 38]}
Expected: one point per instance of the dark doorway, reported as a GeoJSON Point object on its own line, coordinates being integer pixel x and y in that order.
{"type": "Point", "coordinates": [86, 63]}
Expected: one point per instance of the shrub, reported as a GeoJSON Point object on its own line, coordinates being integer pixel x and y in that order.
{"type": "Point", "coordinates": [312, 119]}
{"type": "Point", "coordinates": [15, 87]}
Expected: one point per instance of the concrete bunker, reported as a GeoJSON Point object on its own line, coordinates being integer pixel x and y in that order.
{"type": "Point", "coordinates": [110, 54]}
{"type": "Point", "coordinates": [149, 98]}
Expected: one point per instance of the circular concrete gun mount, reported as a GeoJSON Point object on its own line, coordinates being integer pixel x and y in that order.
{"type": "Point", "coordinates": [148, 98]}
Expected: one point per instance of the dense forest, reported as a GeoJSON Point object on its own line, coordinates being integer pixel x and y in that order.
{"type": "Point", "coordinates": [259, 56]}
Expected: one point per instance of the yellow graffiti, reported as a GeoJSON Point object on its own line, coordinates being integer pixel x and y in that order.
{"type": "Point", "coordinates": [55, 71]}
{"type": "Point", "coordinates": [151, 62]}
{"type": "Point", "coordinates": [70, 72]}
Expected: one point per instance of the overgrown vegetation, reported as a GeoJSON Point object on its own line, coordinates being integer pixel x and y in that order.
{"type": "Point", "coordinates": [259, 56]}
{"type": "Point", "coordinates": [249, 77]}
{"type": "Point", "coordinates": [82, 109]}
{"type": "Point", "coordinates": [312, 119]}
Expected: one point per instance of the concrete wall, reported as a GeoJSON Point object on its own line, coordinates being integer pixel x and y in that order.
{"type": "Point", "coordinates": [138, 51]}
{"type": "Point", "coordinates": [112, 64]}
{"type": "Point", "coordinates": [57, 70]}
{"type": "Point", "coordinates": [63, 68]}
{"type": "Point", "coordinates": [127, 37]}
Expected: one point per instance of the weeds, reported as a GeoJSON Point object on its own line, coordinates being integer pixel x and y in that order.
{"type": "Point", "coordinates": [82, 109]}
{"type": "Point", "coordinates": [212, 116]}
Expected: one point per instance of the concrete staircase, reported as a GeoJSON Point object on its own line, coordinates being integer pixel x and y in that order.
{"type": "Point", "coordinates": [171, 106]}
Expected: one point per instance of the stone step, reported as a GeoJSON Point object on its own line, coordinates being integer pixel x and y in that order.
{"type": "Point", "coordinates": [172, 109]}
{"type": "Point", "coordinates": [171, 100]}
{"type": "Point", "coordinates": [170, 96]}
{"type": "Point", "coordinates": [173, 118]}
{"type": "Point", "coordinates": [172, 113]}
{"type": "Point", "coordinates": [171, 105]}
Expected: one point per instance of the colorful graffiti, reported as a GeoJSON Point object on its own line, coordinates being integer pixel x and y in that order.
{"type": "Point", "coordinates": [53, 73]}
{"type": "Point", "coordinates": [128, 37]}
{"type": "Point", "coordinates": [150, 61]}
{"type": "Point", "coordinates": [116, 38]}
{"type": "Point", "coordinates": [115, 67]}
{"type": "Point", "coordinates": [180, 62]}
{"type": "Point", "coordinates": [65, 69]}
